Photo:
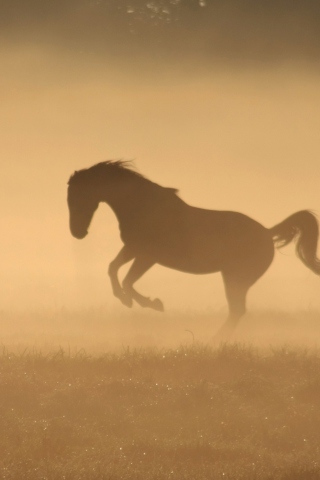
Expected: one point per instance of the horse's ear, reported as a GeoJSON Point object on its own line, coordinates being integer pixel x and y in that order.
{"type": "Point", "coordinates": [172, 190]}
{"type": "Point", "coordinates": [76, 171]}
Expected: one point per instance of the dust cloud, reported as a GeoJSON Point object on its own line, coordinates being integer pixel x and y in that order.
{"type": "Point", "coordinates": [221, 103]}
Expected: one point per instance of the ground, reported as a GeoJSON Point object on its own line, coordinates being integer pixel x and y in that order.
{"type": "Point", "coordinates": [193, 410]}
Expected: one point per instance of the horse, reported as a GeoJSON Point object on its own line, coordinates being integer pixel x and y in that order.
{"type": "Point", "coordinates": [158, 227]}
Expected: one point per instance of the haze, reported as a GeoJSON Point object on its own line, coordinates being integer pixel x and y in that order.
{"type": "Point", "coordinates": [219, 102]}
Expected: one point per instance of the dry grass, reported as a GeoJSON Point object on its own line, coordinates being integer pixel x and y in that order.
{"type": "Point", "coordinates": [233, 412]}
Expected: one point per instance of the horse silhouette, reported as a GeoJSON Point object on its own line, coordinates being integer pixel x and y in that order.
{"type": "Point", "coordinates": [158, 227]}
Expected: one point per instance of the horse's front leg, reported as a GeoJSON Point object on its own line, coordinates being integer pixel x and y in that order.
{"type": "Point", "coordinates": [124, 256]}
{"type": "Point", "coordinates": [140, 265]}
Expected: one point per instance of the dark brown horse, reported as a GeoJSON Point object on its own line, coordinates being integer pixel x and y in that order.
{"type": "Point", "coordinates": [157, 226]}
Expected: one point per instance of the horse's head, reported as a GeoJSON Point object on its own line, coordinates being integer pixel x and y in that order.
{"type": "Point", "coordinates": [109, 182]}
{"type": "Point", "coordinates": [82, 202]}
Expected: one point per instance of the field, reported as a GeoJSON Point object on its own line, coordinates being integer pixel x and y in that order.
{"type": "Point", "coordinates": [154, 398]}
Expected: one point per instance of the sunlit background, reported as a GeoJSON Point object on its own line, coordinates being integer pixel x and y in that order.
{"type": "Point", "coordinates": [218, 99]}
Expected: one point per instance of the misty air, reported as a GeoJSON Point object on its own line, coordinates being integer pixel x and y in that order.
{"type": "Point", "coordinates": [160, 308]}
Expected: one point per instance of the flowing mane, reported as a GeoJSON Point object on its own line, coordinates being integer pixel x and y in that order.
{"type": "Point", "coordinates": [120, 169]}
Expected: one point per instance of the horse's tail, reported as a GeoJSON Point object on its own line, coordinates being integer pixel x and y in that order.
{"type": "Point", "coordinates": [302, 227]}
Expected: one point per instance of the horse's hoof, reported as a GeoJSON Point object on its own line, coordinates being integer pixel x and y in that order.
{"type": "Point", "coordinates": [224, 335]}
{"type": "Point", "coordinates": [157, 305]}
{"type": "Point", "coordinates": [127, 301]}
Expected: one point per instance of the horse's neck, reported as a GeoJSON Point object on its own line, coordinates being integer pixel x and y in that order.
{"type": "Point", "coordinates": [125, 200]}
{"type": "Point", "coordinates": [131, 199]}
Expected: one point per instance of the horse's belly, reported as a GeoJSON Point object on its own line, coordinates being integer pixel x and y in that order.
{"type": "Point", "coordinates": [203, 254]}
{"type": "Point", "coordinates": [196, 262]}
{"type": "Point", "coordinates": [190, 267]}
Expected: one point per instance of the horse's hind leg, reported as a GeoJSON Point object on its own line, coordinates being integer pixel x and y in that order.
{"type": "Point", "coordinates": [236, 293]}
{"type": "Point", "coordinates": [239, 277]}
{"type": "Point", "coordinates": [137, 269]}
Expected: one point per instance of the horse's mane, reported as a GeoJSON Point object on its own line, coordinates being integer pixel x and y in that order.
{"type": "Point", "coordinates": [103, 167]}
{"type": "Point", "coordinates": [122, 168]}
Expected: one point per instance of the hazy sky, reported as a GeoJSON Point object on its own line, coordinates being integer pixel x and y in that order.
{"type": "Point", "coordinates": [217, 98]}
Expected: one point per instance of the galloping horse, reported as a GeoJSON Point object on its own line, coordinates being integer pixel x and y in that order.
{"type": "Point", "coordinates": [157, 226]}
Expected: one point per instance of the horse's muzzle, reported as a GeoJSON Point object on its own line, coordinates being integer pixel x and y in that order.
{"type": "Point", "coordinates": [79, 235]}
